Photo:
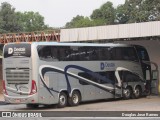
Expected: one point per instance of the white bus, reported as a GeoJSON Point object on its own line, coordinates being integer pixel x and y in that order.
{"type": "Point", "coordinates": [45, 73]}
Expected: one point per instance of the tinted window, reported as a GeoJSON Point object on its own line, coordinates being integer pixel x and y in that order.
{"type": "Point", "coordinates": [53, 53]}
{"type": "Point", "coordinates": [17, 50]}
{"type": "Point", "coordinates": [75, 53]}
{"type": "Point", "coordinates": [87, 76]}
{"type": "Point", "coordinates": [108, 77]}
{"type": "Point", "coordinates": [142, 53]}
{"type": "Point", "coordinates": [104, 53]}
{"type": "Point", "coordinates": [128, 76]}
{"type": "Point", "coordinates": [124, 53]}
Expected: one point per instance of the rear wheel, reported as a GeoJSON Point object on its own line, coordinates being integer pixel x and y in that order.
{"type": "Point", "coordinates": [137, 92]}
{"type": "Point", "coordinates": [75, 99]}
{"type": "Point", "coordinates": [62, 100]}
{"type": "Point", "coordinates": [127, 93]}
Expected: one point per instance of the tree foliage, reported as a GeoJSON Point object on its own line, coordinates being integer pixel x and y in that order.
{"type": "Point", "coordinates": [79, 21]}
{"type": "Point", "coordinates": [132, 11]}
{"type": "Point", "coordinates": [31, 21]}
{"type": "Point", "coordinates": [105, 13]}
{"type": "Point", "coordinates": [12, 21]}
{"type": "Point", "coordinates": [8, 19]}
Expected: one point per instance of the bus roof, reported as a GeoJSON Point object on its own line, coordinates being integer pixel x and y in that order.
{"type": "Point", "coordinates": [80, 44]}
{"type": "Point", "coordinates": [75, 44]}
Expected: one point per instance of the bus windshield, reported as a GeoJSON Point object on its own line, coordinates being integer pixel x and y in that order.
{"type": "Point", "coordinates": [17, 50]}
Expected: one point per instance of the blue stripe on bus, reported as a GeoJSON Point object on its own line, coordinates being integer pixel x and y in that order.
{"type": "Point", "coordinates": [93, 74]}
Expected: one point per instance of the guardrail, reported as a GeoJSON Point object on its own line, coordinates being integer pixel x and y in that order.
{"type": "Point", "coordinates": [30, 36]}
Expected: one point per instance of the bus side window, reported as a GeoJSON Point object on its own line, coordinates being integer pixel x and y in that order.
{"type": "Point", "coordinates": [61, 54]}
{"type": "Point", "coordinates": [84, 75]}
{"type": "Point", "coordinates": [54, 53]}
{"type": "Point", "coordinates": [104, 54]}
{"type": "Point", "coordinates": [109, 76]}
{"type": "Point", "coordinates": [124, 53]}
{"type": "Point", "coordinates": [93, 55]}
{"type": "Point", "coordinates": [45, 53]}
{"type": "Point", "coordinates": [129, 53]}
{"type": "Point", "coordinates": [130, 77]}
{"type": "Point", "coordinates": [142, 53]}
{"type": "Point", "coordinates": [117, 53]}
{"type": "Point", "coordinates": [41, 53]}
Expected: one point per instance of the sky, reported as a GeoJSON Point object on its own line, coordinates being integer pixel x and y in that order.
{"type": "Point", "coordinates": [57, 13]}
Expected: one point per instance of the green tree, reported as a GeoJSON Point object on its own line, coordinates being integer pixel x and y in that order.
{"type": "Point", "coordinates": [153, 9]}
{"type": "Point", "coordinates": [32, 21]}
{"type": "Point", "coordinates": [135, 11]}
{"type": "Point", "coordinates": [8, 19]}
{"type": "Point", "coordinates": [122, 14]}
{"type": "Point", "coordinates": [11, 21]}
{"type": "Point", "coordinates": [79, 21]}
{"type": "Point", "coordinates": [106, 13]}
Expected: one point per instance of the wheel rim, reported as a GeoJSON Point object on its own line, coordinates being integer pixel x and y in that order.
{"type": "Point", "coordinates": [75, 98]}
{"type": "Point", "coordinates": [137, 92]}
{"type": "Point", "coordinates": [127, 93]}
{"type": "Point", "coordinates": [62, 100]}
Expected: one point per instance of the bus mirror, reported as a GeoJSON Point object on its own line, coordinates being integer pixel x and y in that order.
{"type": "Point", "coordinates": [154, 75]}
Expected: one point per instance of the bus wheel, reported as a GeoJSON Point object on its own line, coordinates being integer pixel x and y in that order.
{"type": "Point", "coordinates": [127, 93]}
{"type": "Point", "coordinates": [75, 99]}
{"type": "Point", "coordinates": [137, 92]}
{"type": "Point", "coordinates": [32, 105]}
{"type": "Point", "coordinates": [62, 100]}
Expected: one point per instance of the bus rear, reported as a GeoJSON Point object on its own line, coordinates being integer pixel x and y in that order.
{"type": "Point", "coordinates": [18, 85]}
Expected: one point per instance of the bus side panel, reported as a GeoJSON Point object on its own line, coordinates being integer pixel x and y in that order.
{"type": "Point", "coordinates": [47, 88]}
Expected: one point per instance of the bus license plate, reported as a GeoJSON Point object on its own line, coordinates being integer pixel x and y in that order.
{"type": "Point", "coordinates": [18, 101]}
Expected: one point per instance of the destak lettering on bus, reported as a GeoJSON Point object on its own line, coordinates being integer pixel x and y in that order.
{"type": "Point", "coordinates": [104, 65]}
{"type": "Point", "coordinates": [16, 50]}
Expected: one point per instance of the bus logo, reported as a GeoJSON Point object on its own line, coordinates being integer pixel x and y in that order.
{"type": "Point", "coordinates": [10, 50]}
{"type": "Point", "coordinates": [104, 65]}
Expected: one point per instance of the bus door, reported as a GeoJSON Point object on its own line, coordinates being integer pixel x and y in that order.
{"type": "Point", "coordinates": [155, 79]}
{"type": "Point", "coordinates": [155, 82]}
{"type": "Point", "coordinates": [152, 79]}
{"type": "Point", "coordinates": [145, 65]}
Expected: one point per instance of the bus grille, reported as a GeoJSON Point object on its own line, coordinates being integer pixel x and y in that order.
{"type": "Point", "coordinates": [17, 76]}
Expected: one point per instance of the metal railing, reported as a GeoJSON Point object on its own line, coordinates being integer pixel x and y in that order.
{"type": "Point", "coordinates": [53, 35]}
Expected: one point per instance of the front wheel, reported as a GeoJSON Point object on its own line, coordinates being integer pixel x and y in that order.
{"type": "Point", "coordinates": [127, 93]}
{"type": "Point", "coordinates": [75, 99]}
{"type": "Point", "coordinates": [62, 100]}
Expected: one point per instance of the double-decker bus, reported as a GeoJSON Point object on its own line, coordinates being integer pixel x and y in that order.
{"type": "Point", "coordinates": [45, 73]}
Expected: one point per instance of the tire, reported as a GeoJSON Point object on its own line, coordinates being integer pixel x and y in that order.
{"type": "Point", "coordinates": [32, 105]}
{"type": "Point", "coordinates": [137, 92]}
{"type": "Point", "coordinates": [62, 100]}
{"type": "Point", "coordinates": [75, 99]}
{"type": "Point", "coordinates": [127, 93]}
